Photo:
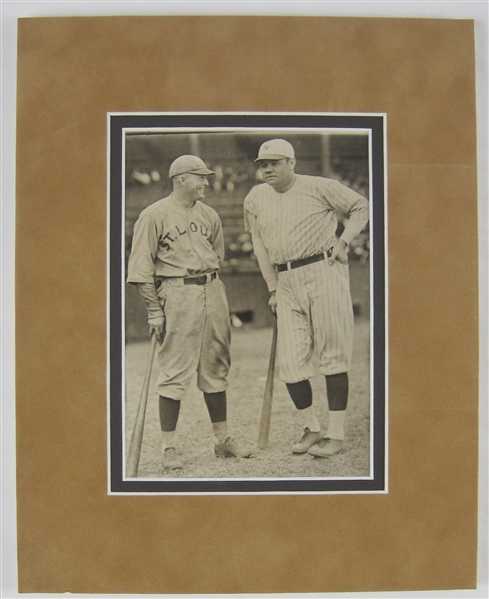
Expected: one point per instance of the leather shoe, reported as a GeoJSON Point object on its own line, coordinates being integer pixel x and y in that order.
{"type": "Point", "coordinates": [309, 439]}
{"type": "Point", "coordinates": [171, 460]}
{"type": "Point", "coordinates": [229, 449]}
{"type": "Point", "coordinates": [326, 448]}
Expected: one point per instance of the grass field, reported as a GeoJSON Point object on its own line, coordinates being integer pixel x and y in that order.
{"type": "Point", "coordinates": [250, 353]}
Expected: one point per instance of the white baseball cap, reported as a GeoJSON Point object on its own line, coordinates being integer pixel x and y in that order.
{"type": "Point", "coordinates": [275, 149]}
{"type": "Point", "coordinates": [189, 164]}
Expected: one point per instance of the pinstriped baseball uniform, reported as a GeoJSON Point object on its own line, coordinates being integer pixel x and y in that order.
{"type": "Point", "coordinates": [172, 242]}
{"type": "Point", "coordinates": [314, 301]}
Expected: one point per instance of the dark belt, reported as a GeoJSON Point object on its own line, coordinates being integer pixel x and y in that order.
{"type": "Point", "coordinates": [200, 280]}
{"type": "Point", "coordinates": [297, 263]}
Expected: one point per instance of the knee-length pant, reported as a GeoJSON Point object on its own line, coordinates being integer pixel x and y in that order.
{"type": "Point", "coordinates": [197, 338]}
{"type": "Point", "coordinates": [314, 309]}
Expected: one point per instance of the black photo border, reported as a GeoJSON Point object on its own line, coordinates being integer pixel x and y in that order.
{"type": "Point", "coordinates": [117, 123]}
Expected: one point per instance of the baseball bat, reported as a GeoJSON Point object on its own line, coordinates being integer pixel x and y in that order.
{"type": "Point", "coordinates": [266, 411]}
{"type": "Point", "coordinates": [137, 432]}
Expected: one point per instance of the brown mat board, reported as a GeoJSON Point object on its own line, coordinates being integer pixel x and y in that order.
{"type": "Point", "coordinates": [72, 536]}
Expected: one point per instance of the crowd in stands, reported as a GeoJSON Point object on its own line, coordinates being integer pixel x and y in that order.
{"type": "Point", "coordinates": [231, 183]}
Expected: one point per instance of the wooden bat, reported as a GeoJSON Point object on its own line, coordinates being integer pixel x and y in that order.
{"type": "Point", "coordinates": [266, 411]}
{"type": "Point", "coordinates": [137, 432]}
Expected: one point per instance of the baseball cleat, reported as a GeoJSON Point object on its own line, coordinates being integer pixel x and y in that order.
{"type": "Point", "coordinates": [229, 449]}
{"type": "Point", "coordinates": [170, 459]}
{"type": "Point", "coordinates": [326, 448]}
{"type": "Point", "coordinates": [309, 438]}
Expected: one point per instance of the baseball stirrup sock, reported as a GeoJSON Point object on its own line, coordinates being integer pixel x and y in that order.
{"type": "Point", "coordinates": [300, 393]}
{"type": "Point", "coordinates": [216, 405]}
{"type": "Point", "coordinates": [337, 389]}
{"type": "Point", "coordinates": [169, 411]}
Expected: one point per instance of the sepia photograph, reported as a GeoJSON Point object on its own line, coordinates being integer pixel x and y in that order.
{"type": "Point", "coordinates": [247, 336]}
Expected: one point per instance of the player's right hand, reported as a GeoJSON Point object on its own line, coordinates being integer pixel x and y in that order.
{"type": "Point", "coordinates": [157, 326]}
{"type": "Point", "coordinates": [338, 252]}
{"type": "Point", "coordinates": [272, 303]}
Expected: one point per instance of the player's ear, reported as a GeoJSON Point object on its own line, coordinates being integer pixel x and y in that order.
{"type": "Point", "coordinates": [292, 163]}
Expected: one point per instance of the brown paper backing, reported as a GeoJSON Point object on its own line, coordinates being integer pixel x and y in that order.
{"type": "Point", "coordinates": [73, 536]}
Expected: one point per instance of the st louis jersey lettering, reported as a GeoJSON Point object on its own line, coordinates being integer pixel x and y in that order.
{"type": "Point", "coordinates": [173, 241]}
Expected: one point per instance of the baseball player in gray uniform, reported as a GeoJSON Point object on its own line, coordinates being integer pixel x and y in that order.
{"type": "Point", "coordinates": [177, 249]}
{"type": "Point", "coordinates": [293, 225]}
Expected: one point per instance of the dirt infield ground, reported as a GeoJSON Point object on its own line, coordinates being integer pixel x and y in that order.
{"type": "Point", "coordinates": [250, 353]}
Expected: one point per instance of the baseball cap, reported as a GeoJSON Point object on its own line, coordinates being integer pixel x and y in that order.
{"type": "Point", "coordinates": [275, 149]}
{"type": "Point", "coordinates": [189, 164]}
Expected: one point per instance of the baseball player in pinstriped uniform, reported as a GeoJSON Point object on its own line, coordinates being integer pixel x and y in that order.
{"type": "Point", "coordinates": [177, 249]}
{"type": "Point", "coordinates": [293, 225]}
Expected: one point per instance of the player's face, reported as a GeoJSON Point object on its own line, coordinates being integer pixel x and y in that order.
{"type": "Point", "coordinates": [279, 174]}
{"type": "Point", "coordinates": [195, 186]}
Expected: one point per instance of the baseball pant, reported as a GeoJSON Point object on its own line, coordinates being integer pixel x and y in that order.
{"type": "Point", "coordinates": [197, 338]}
{"type": "Point", "coordinates": [314, 309]}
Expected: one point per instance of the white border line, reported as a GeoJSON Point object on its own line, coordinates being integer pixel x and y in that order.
{"type": "Point", "coordinates": [243, 114]}
{"type": "Point", "coordinates": [386, 312]}
{"type": "Point", "coordinates": [371, 297]}
{"type": "Point", "coordinates": [258, 131]}
{"type": "Point", "coordinates": [253, 478]}
{"type": "Point", "coordinates": [123, 303]}
{"type": "Point", "coordinates": [107, 315]}
{"type": "Point", "coordinates": [254, 131]}
{"type": "Point", "coordinates": [244, 493]}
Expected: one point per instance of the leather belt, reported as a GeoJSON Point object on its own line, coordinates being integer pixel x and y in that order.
{"type": "Point", "coordinates": [200, 280]}
{"type": "Point", "coordinates": [303, 262]}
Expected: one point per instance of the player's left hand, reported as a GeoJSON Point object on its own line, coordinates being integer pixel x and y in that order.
{"type": "Point", "coordinates": [339, 252]}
